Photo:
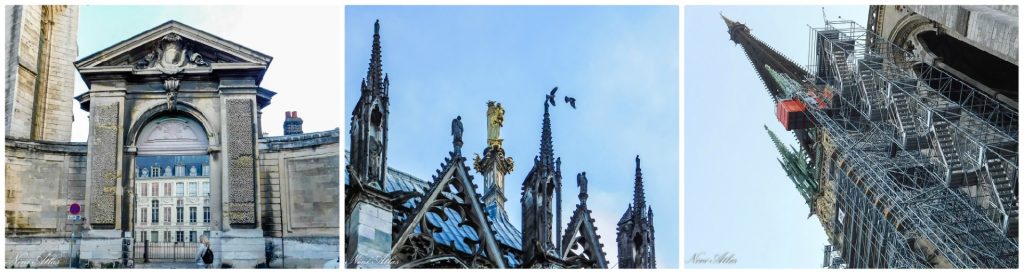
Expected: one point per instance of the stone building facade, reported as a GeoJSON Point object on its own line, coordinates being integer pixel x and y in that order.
{"type": "Point", "coordinates": [173, 198]}
{"type": "Point", "coordinates": [173, 92]}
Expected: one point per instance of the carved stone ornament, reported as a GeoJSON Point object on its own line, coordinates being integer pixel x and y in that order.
{"type": "Point", "coordinates": [171, 87]}
{"type": "Point", "coordinates": [171, 55]}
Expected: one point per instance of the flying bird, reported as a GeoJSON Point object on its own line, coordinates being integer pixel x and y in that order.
{"type": "Point", "coordinates": [551, 97]}
{"type": "Point", "coordinates": [571, 101]}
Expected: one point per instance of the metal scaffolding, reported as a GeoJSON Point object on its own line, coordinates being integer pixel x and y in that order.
{"type": "Point", "coordinates": [925, 166]}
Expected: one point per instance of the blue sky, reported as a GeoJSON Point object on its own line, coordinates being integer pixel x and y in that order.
{"type": "Point", "coordinates": [738, 199]}
{"type": "Point", "coordinates": [297, 73]}
{"type": "Point", "coordinates": [620, 63]}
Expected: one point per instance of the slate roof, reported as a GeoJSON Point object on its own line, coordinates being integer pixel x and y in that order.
{"type": "Point", "coordinates": [507, 234]}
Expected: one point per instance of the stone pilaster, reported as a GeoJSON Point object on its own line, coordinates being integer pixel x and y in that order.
{"type": "Point", "coordinates": [104, 183]}
{"type": "Point", "coordinates": [241, 162]}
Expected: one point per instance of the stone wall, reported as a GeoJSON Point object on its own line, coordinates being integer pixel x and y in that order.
{"type": "Point", "coordinates": [370, 242]}
{"type": "Point", "coordinates": [43, 179]}
{"type": "Point", "coordinates": [300, 198]}
{"type": "Point", "coordinates": [990, 28]}
{"type": "Point", "coordinates": [52, 64]}
{"type": "Point", "coordinates": [34, 252]}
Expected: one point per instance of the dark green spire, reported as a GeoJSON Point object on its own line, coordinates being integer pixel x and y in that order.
{"type": "Point", "coordinates": [795, 165]}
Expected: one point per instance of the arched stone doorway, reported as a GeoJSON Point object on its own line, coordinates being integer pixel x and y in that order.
{"type": "Point", "coordinates": [174, 196]}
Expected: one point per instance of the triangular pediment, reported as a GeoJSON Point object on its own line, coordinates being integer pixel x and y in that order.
{"type": "Point", "coordinates": [171, 48]}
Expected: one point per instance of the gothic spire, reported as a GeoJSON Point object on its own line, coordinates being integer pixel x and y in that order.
{"type": "Point", "coordinates": [639, 201]}
{"type": "Point", "coordinates": [728, 22]}
{"type": "Point", "coordinates": [760, 55]}
{"type": "Point", "coordinates": [374, 78]}
{"type": "Point", "coordinates": [547, 148]}
{"type": "Point", "coordinates": [772, 67]}
{"type": "Point", "coordinates": [796, 167]}
{"type": "Point", "coordinates": [775, 140]}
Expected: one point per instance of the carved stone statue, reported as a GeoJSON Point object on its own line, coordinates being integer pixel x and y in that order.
{"type": "Point", "coordinates": [146, 61]}
{"type": "Point", "coordinates": [197, 59]}
{"type": "Point", "coordinates": [495, 120]}
{"type": "Point", "coordinates": [581, 181]}
{"type": "Point", "coordinates": [375, 151]}
{"type": "Point", "coordinates": [457, 133]}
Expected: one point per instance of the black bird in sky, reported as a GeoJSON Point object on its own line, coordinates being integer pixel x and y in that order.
{"type": "Point", "coordinates": [571, 101]}
{"type": "Point", "coordinates": [551, 97]}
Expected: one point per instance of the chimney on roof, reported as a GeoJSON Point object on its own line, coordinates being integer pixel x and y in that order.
{"type": "Point", "coordinates": [292, 123]}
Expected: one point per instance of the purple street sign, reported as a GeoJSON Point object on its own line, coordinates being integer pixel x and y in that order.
{"type": "Point", "coordinates": [75, 209]}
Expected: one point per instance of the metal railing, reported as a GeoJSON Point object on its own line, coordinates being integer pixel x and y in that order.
{"type": "Point", "coordinates": [146, 251]}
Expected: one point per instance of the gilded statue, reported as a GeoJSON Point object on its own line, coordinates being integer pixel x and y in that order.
{"type": "Point", "coordinates": [495, 120]}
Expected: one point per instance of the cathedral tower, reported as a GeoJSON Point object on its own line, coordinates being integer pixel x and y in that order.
{"type": "Point", "coordinates": [40, 77]}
